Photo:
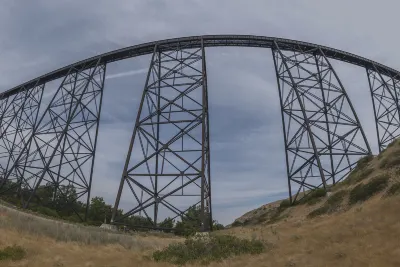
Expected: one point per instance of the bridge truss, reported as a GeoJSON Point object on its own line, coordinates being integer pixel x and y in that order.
{"type": "Point", "coordinates": [53, 144]}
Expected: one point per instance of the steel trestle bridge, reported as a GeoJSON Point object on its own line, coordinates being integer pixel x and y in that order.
{"type": "Point", "coordinates": [167, 168]}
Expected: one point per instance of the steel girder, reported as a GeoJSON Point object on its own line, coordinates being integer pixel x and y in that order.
{"type": "Point", "coordinates": [385, 91]}
{"type": "Point", "coordinates": [322, 134]}
{"type": "Point", "coordinates": [207, 41]}
{"type": "Point", "coordinates": [168, 162]}
{"type": "Point", "coordinates": [59, 153]}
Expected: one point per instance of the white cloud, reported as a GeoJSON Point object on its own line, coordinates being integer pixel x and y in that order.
{"type": "Point", "coordinates": [126, 73]}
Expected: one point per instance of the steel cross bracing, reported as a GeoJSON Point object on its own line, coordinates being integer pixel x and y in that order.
{"type": "Point", "coordinates": [167, 167]}
{"type": "Point", "coordinates": [385, 99]}
{"type": "Point", "coordinates": [17, 120]}
{"type": "Point", "coordinates": [322, 134]}
{"type": "Point", "coordinates": [60, 151]}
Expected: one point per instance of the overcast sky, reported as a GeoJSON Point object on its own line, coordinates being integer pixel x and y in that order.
{"type": "Point", "coordinates": [248, 163]}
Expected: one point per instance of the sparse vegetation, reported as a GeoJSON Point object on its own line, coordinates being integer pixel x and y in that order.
{"type": "Point", "coordinates": [337, 198]}
{"type": "Point", "coordinates": [313, 197]}
{"type": "Point", "coordinates": [12, 253]}
{"type": "Point", "coordinates": [63, 207]}
{"type": "Point", "coordinates": [360, 172]}
{"type": "Point", "coordinates": [284, 204]}
{"type": "Point", "coordinates": [361, 175]}
{"type": "Point", "coordinates": [215, 248]}
{"type": "Point", "coordinates": [319, 211]}
{"type": "Point", "coordinates": [331, 205]}
{"type": "Point", "coordinates": [362, 192]}
{"type": "Point", "coordinates": [394, 189]}
{"type": "Point", "coordinates": [237, 223]}
{"type": "Point", "coordinates": [65, 232]}
{"type": "Point", "coordinates": [361, 163]}
{"type": "Point", "coordinates": [390, 161]}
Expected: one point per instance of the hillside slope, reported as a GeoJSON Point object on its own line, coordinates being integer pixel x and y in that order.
{"type": "Point", "coordinates": [356, 224]}
{"type": "Point", "coordinates": [384, 168]}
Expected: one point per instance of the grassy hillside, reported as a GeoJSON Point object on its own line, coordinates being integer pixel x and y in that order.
{"type": "Point", "coordinates": [356, 224]}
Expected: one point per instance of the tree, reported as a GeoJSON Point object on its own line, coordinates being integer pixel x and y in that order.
{"type": "Point", "coordinates": [191, 223]}
{"type": "Point", "coordinates": [167, 223]}
{"type": "Point", "coordinates": [99, 211]}
{"type": "Point", "coordinates": [217, 226]}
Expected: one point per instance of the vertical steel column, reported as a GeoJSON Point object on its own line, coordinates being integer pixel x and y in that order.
{"type": "Point", "coordinates": [385, 103]}
{"type": "Point", "coordinates": [319, 109]}
{"type": "Point", "coordinates": [285, 131]}
{"type": "Point", "coordinates": [132, 141]}
{"type": "Point", "coordinates": [60, 147]}
{"type": "Point", "coordinates": [16, 127]}
{"type": "Point", "coordinates": [171, 142]}
{"type": "Point", "coordinates": [363, 147]}
{"type": "Point", "coordinates": [305, 124]}
{"type": "Point", "coordinates": [207, 117]}
{"type": "Point", "coordinates": [95, 141]}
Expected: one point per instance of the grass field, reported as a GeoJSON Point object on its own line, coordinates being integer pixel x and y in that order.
{"type": "Point", "coordinates": [363, 236]}
{"type": "Point", "coordinates": [357, 225]}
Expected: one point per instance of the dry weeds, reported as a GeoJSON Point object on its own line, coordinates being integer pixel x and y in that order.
{"type": "Point", "coordinates": [360, 235]}
{"type": "Point", "coordinates": [366, 236]}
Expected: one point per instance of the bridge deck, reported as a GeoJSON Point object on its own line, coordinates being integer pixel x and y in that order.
{"type": "Point", "coordinates": [209, 41]}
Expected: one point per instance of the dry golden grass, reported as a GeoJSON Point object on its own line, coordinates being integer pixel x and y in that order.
{"type": "Point", "coordinates": [364, 235]}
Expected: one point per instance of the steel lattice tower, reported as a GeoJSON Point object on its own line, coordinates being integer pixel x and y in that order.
{"type": "Point", "coordinates": [60, 150]}
{"type": "Point", "coordinates": [385, 92]}
{"type": "Point", "coordinates": [323, 136]}
{"type": "Point", "coordinates": [171, 138]}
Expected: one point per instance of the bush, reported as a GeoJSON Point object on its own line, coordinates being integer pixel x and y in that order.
{"type": "Point", "coordinates": [390, 162]}
{"type": "Point", "coordinates": [360, 172]}
{"type": "Point", "coordinates": [47, 211]}
{"type": "Point", "coordinates": [317, 212]}
{"type": "Point", "coordinates": [330, 205]}
{"type": "Point", "coordinates": [337, 198]}
{"type": "Point", "coordinates": [393, 190]}
{"type": "Point", "coordinates": [215, 248]}
{"type": "Point", "coordinates": [361, 175]}
{"type": "Point", "coordinates": [284, 204]}
{"type": "Point", "coordinates": [237, 223]}
{"type": "Point", "coordinates": [362, 192]}
{"type": "Point", "coordinates": [12, 253]}
{"type": "Point", "coordinates": [361, 163]}
{"type": "Point", "coordinates": [313, 197]}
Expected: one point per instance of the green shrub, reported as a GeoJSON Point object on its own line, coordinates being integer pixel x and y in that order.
{"type": "Point", "coordinates": [337, 198]}
{"type": "Point", "coordinates": [313, 197]}
{"type": "Point", "coordinates": [359, 173]}
{"type": "Point", "coordinates": [237, 223]}
{"type": "Point", "coordinates": [383, 162]}
{"type": "Point", "coordinates": [12, 253]}
{"type": "Point", "coordinates": [390, 162]}
{"type": "Point", "coordinates": [321, 210]}
{"type": "Point", "coordinates": [362, 192]}
{"type": "Point", "coordinates": [284, 204]}
{"type": "Point", "coordinates": [394, 189]}
{"type": "Point", "coordinates": [330, 205]}
{"type": "Point", "coordinates": [47, 211]}
{"type": "Point", "coordinates": [216, 248]}
{"type": "Point", "coordinates": [361, 163]}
